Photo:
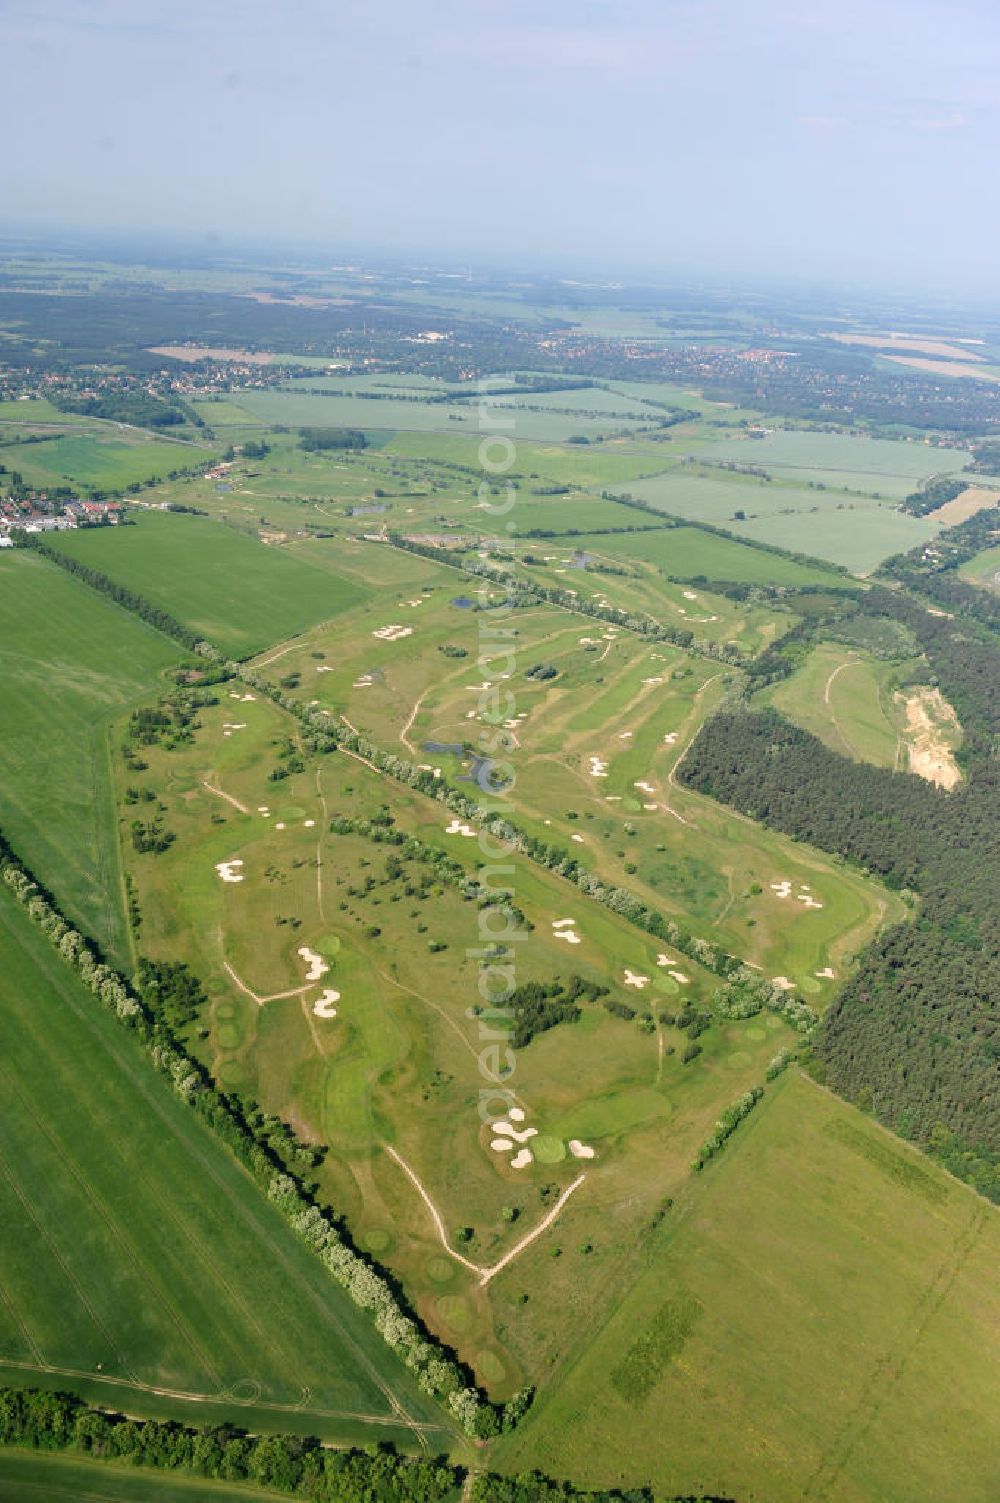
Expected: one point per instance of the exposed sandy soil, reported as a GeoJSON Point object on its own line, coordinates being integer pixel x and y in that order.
{"type": "Point", "coordinates": [931, 725]}
{"type": "Point", "coordinates": [974, 498]}
{"type": "Point", "coordinates": [943, 367]}
{"type": "Point", "coordinates": [191, 352]}
{"type": "Point", "coordinates": [913, 342]}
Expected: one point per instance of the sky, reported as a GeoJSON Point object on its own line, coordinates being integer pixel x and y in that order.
{"type": "Point", "coordinates": [849, 139]}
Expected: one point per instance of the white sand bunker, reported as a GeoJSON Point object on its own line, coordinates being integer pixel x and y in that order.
{"type": "Point", "coordinates": [580, 1150]}
{"type": "Point", "coordinates": [650, 806]}
{"type": "Point", "coordinates": [577, 838]}
{"type": "Point", "coordinates": [563, 923]}
{"type": "Point", "coordinates": [598, 768]}
{"type": "Point", "coordinates": [827, 973]}
{"type": "Point", "coordinates": [644, 787]}
{"type": "Point", "coordinates": [782, 889]}
{"type": "Point", "coordinates": [506, 1129]}
{"type": "Point", "coordinates": [458, 828]}
{"type": "Point", "coordinates": [317, 965]}
{"type": "Point", "coordinates": [323, 1006]}
{"type": "Point", "coordinates": [655, 680]}
{"type": "Point", "coordinates": [230, 871]}
{"type": "Point", "coordinates": [364, 682]}
{"type": "Point", "coordinates": [324, 668]}
{"type": "Point", "coordinates": [502, 1145]}
{"type": "Point", "coordinates": [670, 738]}
{"type": "Point", "coordinates": [234, 725]}
{"type": "Point", "coordinates": [625, 735]}
{"type": "Point", "coordinates": [586, 641]}
{"type": "Point", "coordinates": [569, 935]}
{"type": "Point", "coordinates": [808, 899]}
{"type": "Point", "coordinates": [392, 633]}
{"type": "Point", "coordinates": [246, 699]}
{"type": "Point", "coordinates": [665, 960]}
{"type": "Point", "coordinates": [280, 824]}
{"type": "Point", "coordinates": [522, 1159]}
{"type": "Point", "coordinates": [680, 977]}
{"type": "Point", "coordinates": [310, 824]}
{"type": "Point", "coordinates": [783, 983]}
{"type": "Point", "coordinates": [633, 979]}
{"type": "Point", "coordinates": [516, 1114]}
{"type": "Point", "coordinates": [690, 595]}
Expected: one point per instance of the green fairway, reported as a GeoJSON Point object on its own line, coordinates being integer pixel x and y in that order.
{"type": "Point", "coordinates": [239, 593]}
{"type": "Point", "coordinates": [803, 1309]}
{"type": "Point", "coordinates": [139, 1263]}
{"type": "Point", "coordinates": [70, 660]}
{"type": "Point", "coordinates": [845, 698]}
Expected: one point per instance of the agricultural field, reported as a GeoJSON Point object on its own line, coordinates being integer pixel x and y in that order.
{"type": "Point", "coordinates": [103, 463]}
{"type": "Point", "coordinates": [239, 593]}
{"type": "Point", "coordinates": [854, 531]}
{"type": "Point", "coordinates": [132, 1239]}
{"type": "Point", "coordinates": [71, 661]}
{"type": "Point", "coordinates": [38, 1477]}
{"type": "Point", "coordinates": [841, 461]}
{"type": "Point", "coordinates": [815, 1232]}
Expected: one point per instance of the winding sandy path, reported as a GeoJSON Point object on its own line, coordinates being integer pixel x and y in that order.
{"type": "Point", "coordinates": [219, 793]}
{"type": "Point", "coordinates": [404, 733]}
{"type": "Point", "coordinates": [277, 997]}
{"type": "Point", "coordinates": [485, 1274]}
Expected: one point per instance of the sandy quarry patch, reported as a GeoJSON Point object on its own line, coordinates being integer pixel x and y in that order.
{"type": "Point", "coordinates": [317, 965]}
{"type": "Point", "coordinates": [965, 505]}
{"type": "Point", "coordinates": [931, 724]}
{"type": "Point", "coordinates": [947, 349]}
{"type": "Point", "coordinates": [230, 871]}
{"type": "Point", "coordinates": [953, 368]}
{"type": "Point", "coordinates": [580, 1150]}
{"type": "Point", "coordinates": [323, 1006]}
{"type": "Point", "coordinates": [191, 353]}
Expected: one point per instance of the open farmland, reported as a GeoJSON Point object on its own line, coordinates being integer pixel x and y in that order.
{"type": "Point", "coordinates": [104, 463]}
{"type": "Point", "coordinates": [815, 1233]}
{"type": "Point", "coordinates": [100, 1158]}
{"type": "Point", "coordinates": [854, 531]}
{"type": "Point", "coordinates": [37, 1477]}
{"type": "Point", "coordinates": [71, 661]}
{"type": "Point", "coordinates": [237, 592]}
{"type": "Point", "coordinates": [840, 461]}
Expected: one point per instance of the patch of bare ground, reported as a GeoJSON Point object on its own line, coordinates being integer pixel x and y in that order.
{"type": "Point", "coordinates": [941, 347]}
{"type": "Point", "coordinates": [932, 731]}
{"type": "Point", "coordinates": [965, 505]}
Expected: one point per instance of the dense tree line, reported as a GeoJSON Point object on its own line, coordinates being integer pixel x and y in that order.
{"type": "Point", "coordinates": [914, 1035]}
{"type": "Point", "coordinates": [933, 495]}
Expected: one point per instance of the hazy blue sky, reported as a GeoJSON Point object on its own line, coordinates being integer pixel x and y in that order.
{"type": "Point", "coordinates": [851, 136]}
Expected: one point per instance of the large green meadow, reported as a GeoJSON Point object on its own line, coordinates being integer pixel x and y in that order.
{"type": "Point", "coordinates": [239, 593]}
{"type": "Point", "coordinates": [138, 1260]}
{"type": "Point", "coordinates": [71, 661]}
{"type": "Point", "coordinates": [803, 1309]}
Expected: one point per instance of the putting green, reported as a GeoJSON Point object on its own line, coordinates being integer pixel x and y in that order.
{"type": "Point", "coordinates": [455, 1312]}
{"type": "Point", "coordinates": [489, 1367]}
{"type": "Point", "coordinates": [549, 1149]}
{"type": "Point", "coordinates": [441, 1270]}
